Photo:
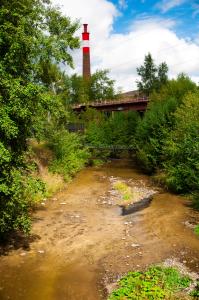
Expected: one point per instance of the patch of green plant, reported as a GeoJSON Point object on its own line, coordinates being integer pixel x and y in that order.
{"type": "Point", "coordinates": [124, 190]}
{"type": "Point", "coordinates": [196, 229]}
{"type": "Point", "coordinates": [195, 292]}
{"type": "Point", "coordinates": [156, 283]}
{"type": "Point", "coordinates": [70, 154]}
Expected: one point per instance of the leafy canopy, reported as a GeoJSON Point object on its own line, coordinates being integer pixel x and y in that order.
{"type": "Point", "coordinates": [33, 35]}
{"type": "Point", "coordinates": [152, 76]}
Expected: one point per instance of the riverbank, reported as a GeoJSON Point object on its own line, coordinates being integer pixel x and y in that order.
{"type": "Point", "coordinates": [82, 246]}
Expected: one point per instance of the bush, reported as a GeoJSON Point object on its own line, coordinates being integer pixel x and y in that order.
{"type": "Point", "coordinates": [111, 133]}
{"type": "Point", "coordinates": [182, 147]}
{"type": "Point", "coordinates": [70, 155]}
{"type": "Point", "coordinates": [17, 194]}
{"type": "Point", "coordinates": [151, 133]}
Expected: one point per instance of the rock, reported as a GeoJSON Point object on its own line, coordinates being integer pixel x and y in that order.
{"type": "Point", "coordinates": [42, 203]}
{"type": "Point", "coordinates": [41, 251]}
{"type": "Point", "coordinates": [135, 245]}
{"type": "Point", "coordinates": [63, 203]}
{"type": "Point", "coordinates": [23, 254]}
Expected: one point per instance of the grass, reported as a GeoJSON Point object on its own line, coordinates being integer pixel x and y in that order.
{"type": "Point", "coordinates": [154, 284]}
{"type": "Point", "coordinates": [124, 190]}
{"type": "Point", "coordinates": [42, 156]}
{"type": "Point", "coordinates": [196, 230]}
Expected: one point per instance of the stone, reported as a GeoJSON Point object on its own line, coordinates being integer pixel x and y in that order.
{"type": "Point", "coordinates": [135, 245]}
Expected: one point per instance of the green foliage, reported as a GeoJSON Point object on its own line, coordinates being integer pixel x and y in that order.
{"type": "Point", "coordinates": [174, 88]}
{"type": "Point", "coordinates": [156, 283]}
{"type": "Point", "coordinates": [196, 229]}
{"type": "Point", "coordinates": [109, 133]}
{"type": "Point", "coordinates": [101, 86]}
{"type": "Point", "coordinates": [124, 190]}
{"type": "Point", "coordinates": [33, 34]}
{"type": "Point", "coordinates": [70, 155]}
{"type": "Point", "coordinates": [182, 147]}
{"type": "Point", "coordinates": [98, 88]}
{"type": "Point", "coordinates": [151, 133]}
{"type": "Point", "coordinates": [17, 193]}
{"type": "Point", "coordinates": [152, 76]}
{"type": "Point", "coordinates": [195, 292]}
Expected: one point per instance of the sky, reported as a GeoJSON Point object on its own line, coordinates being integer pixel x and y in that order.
{"type": "Point", "coordinates": [122, 32]}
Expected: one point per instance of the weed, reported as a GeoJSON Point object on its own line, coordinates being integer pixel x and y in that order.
{"type": "Point", "coordinates": [124, 190]}
{"type": "Point", "coordinates": [154, 284]}
{"type": "Point", "coordinates": [196, 229]}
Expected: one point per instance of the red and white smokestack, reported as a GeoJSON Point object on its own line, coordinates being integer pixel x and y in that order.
{"type": "Point", "coordinates": [86, 53]}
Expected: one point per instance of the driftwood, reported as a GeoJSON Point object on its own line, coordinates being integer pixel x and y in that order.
{"type": "Point", "coordinates": [131, 208]}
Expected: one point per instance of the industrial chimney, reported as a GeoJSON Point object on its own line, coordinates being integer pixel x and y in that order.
{"type": "Point", "coordinates": [86, 53]}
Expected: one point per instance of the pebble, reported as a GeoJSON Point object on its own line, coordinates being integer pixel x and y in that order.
{"type": "Point", "coordinates": [41, 251]}
{"type": "Point", "coordinates": [135, 245]}
{"type": "Point", "coordinates": [63, 203]}
{"type": "Point", "coordinates": [23, 254]}
{"type": "Point", "coordinates": [43, 203]}
{"type": "Point", "coordinates": [123, 238]}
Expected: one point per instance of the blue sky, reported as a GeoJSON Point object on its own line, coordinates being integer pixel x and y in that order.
{"type": "Point", "coordinates": [185, 15]}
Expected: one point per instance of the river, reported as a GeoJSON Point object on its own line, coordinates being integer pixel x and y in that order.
{"type": "Point", "coordinates": [81, 244]}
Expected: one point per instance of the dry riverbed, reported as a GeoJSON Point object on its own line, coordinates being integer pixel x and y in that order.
{"type": "Point", "coordinates": [81, 244]}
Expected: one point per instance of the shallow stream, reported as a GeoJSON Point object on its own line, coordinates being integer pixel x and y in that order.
{"type": "Point", "coordinates": [83, 244]}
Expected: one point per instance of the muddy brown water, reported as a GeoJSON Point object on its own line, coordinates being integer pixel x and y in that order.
{"type": "Point", "coordinates": [85, 244]}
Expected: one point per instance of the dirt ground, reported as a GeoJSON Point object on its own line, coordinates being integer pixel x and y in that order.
{"type": "Point", "coordinates": [82, 243]}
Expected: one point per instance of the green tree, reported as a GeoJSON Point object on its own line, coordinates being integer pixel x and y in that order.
{"type": "Point", "coordinates": [32, 32]}
{"type": "Point", "coordinates": [101, 86]}
{"type": "Point", "coordinates": [175, 88]}
{"type": "Point", "coordinates": [152, 76]}
{"type": "Point", "coordinates": [151, 133]}
{"type": "Point", "coordinates": [182, 147]}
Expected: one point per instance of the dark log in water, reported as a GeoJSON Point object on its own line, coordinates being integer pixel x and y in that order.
{"type": "Point", "coordinates": [131, 208]}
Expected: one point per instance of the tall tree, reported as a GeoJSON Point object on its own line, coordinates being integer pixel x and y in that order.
{"type": "Point", "coordinates": [152, 76]}
{"type": "Point", "coordinates": [102, 87]}
{"type": "Point", "coordinates": [31, 32]}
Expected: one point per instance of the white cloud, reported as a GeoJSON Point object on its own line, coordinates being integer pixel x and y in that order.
{"type": "Point", "coordinates": [166, 5]}
{"type": "Point", "coordinates": [122, 53]}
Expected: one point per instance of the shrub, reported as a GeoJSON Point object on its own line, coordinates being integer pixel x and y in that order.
{"type": "Point", "coordinates": [17, 194]}
{"type": "Point", "coordinates": [182, 147]}
{"type": "Point", "coordinates": [151, 133]}
{"type": "Point", "coordinates": [70, 154]}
